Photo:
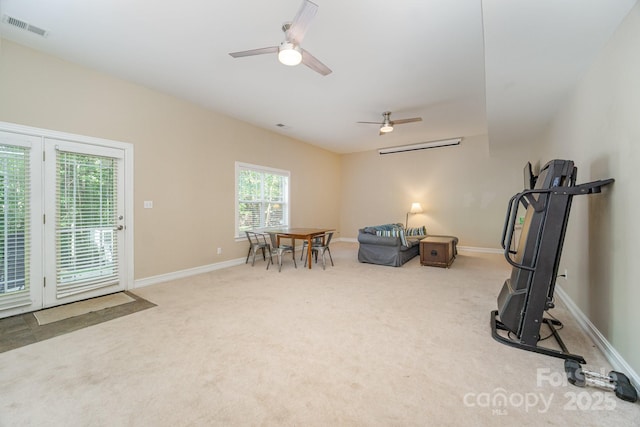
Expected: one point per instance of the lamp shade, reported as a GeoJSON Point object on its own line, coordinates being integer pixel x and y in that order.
{"type": "Point", "coordinates": [416, 208]}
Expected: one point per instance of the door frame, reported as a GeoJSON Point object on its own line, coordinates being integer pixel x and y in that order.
{"type": "Point", "coordinates": [127, 261]}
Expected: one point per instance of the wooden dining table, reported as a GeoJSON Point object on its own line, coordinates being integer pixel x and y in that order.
{"type": "Point", "coordinates": [307, 234]}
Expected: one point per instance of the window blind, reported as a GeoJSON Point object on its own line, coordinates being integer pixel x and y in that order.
{"type": "Point", "coordinates": [262, 198]}
{"type": "Point", "coordinates": [14, 225]}
{"type": "Point", "coordinates": [86, 221]}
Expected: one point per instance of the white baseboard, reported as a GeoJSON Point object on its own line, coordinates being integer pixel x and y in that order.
{"type": "Point", "coordinates": [460, 248]}
{"type": "Point", "coordinates": [347, 239]}
{"type": "Point", "coordinates": [612, 355]}
{"type": "Point", "coordinates": [148, 281]}
{"type": "Point", "coordinates": [186, 273]}
{"type": "Point", "coordinates": [482, 250]}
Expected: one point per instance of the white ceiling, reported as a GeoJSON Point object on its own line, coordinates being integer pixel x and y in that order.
{"type": "Point", "coordinates": [536, 51]}
{"type": "Point", "coordinates": [413, 57]}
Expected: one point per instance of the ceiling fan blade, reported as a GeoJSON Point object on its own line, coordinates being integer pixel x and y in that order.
{"type": "Point", "coordinates": [261, 51]}
{"type": "Point", "coordinates": [371, 123]}
{"type": "Point", "coordinates": [402, 121]}
{"type": "Point", "coordinates": [313, 63]}
{"type": "Point", "coordinates": [301, 22]}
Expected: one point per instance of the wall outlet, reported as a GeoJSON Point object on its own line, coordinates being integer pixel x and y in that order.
{"type": "Point", "coordinates": [219, 251]}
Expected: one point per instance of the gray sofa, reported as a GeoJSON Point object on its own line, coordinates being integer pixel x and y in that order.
{"type": "Point", "coordinates": [392, 250]}
{"type": "Point", "coordinates": [386, 250]}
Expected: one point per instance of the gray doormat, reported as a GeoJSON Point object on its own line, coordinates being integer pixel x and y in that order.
{"type": "Point", "coordinates": [23, 329]}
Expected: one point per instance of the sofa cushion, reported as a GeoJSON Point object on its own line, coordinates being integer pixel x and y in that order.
{"type": "Point", "coordinates": [372, 239]}
{"type": "Point", "coordinates": [395, 232]}
{"type": "Point", "coordinates": [416, 231]}
{"type": "Point", "coordinates": [384, 227]}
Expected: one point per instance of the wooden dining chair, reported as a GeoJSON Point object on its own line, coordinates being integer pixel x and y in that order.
{"type": "Point", "coordinates": [321, 248]}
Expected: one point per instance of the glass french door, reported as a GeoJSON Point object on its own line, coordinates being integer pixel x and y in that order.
{"type": "Point", "coordinates": [20, 224]}
{"type": "Point", "coordinates": [84, 221]}
{"type": "Point", "coordinates": [62, 223]}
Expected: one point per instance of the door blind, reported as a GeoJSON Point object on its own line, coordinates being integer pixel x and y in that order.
{"type": "Point", "coordinates": [86, 222]}
{"type": "Point", "coordinates": [14, 225]}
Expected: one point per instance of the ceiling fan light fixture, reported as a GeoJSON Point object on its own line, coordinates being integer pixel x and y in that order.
{"type": "Point", "coordinates": [385, 128]}
{"type": "Point", "coordinates": [289, 54]}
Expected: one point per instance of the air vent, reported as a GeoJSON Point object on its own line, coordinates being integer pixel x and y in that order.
{"type": "Point", "coordinates": [15, 22]}
{"type": "Point", "coordinates": [37, 30]}
{"type": "Point", "coordinates": [24, 25]}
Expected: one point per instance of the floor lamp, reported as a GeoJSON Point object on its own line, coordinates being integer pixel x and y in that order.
{"type": "Point", "coordinates": [415, 208]}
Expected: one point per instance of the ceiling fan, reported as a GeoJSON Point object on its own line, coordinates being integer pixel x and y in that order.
{"type": "Point", "coordinates": [289, 51]}
{"type": "Point", "coordinates": [387, 124]}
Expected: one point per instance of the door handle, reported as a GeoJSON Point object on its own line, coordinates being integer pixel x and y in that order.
{"type": "Point", "coordinates": [119, 228]}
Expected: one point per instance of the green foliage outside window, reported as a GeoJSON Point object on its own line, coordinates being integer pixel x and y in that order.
{"type": "Point", "coordinates": [86, 216]}
{"type": "Point", "coordinates": [14, 217]}
{"type": "Point", "coordinates": [262, 200]}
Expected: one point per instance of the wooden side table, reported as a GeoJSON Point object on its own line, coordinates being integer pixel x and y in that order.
{"type": "Point", "coordinates": [437, 251]}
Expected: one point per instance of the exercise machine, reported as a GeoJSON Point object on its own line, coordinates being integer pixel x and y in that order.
{"type": "Point", "coordinates": [528, 293]}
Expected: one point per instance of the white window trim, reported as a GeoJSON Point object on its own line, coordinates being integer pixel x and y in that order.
{"type": "Point", "coordinates": [259, 168]}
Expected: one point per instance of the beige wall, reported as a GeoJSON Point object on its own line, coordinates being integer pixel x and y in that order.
{"type": "Point", "coordinates": [184, 156]}
{"type": "Point", "coordinates": [600, 130]}
{"type": "Point", "coordinates": [463, 189]}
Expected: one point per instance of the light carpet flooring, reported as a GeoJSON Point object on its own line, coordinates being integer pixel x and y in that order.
{"type": "Point", "coordinates": [355, 345]}
{"type": "Point", "coordinates": [23, 329]}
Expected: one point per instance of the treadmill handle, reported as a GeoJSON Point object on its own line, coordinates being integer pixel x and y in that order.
{"type": "Point", "coordinates": [527, 199]}
{"type": "Point", "coordinates": [507, 229]}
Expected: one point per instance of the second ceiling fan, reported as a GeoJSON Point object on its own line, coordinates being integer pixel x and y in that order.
{"type": "Point", "coordinates": [289, 51]}
{"type": "Point", "coordinates": [387, 124]}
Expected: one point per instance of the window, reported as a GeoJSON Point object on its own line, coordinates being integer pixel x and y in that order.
{"type": "Point", "coordinates": [14, 219]}
{"type": "Point", "coordinates": [262, 198]}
